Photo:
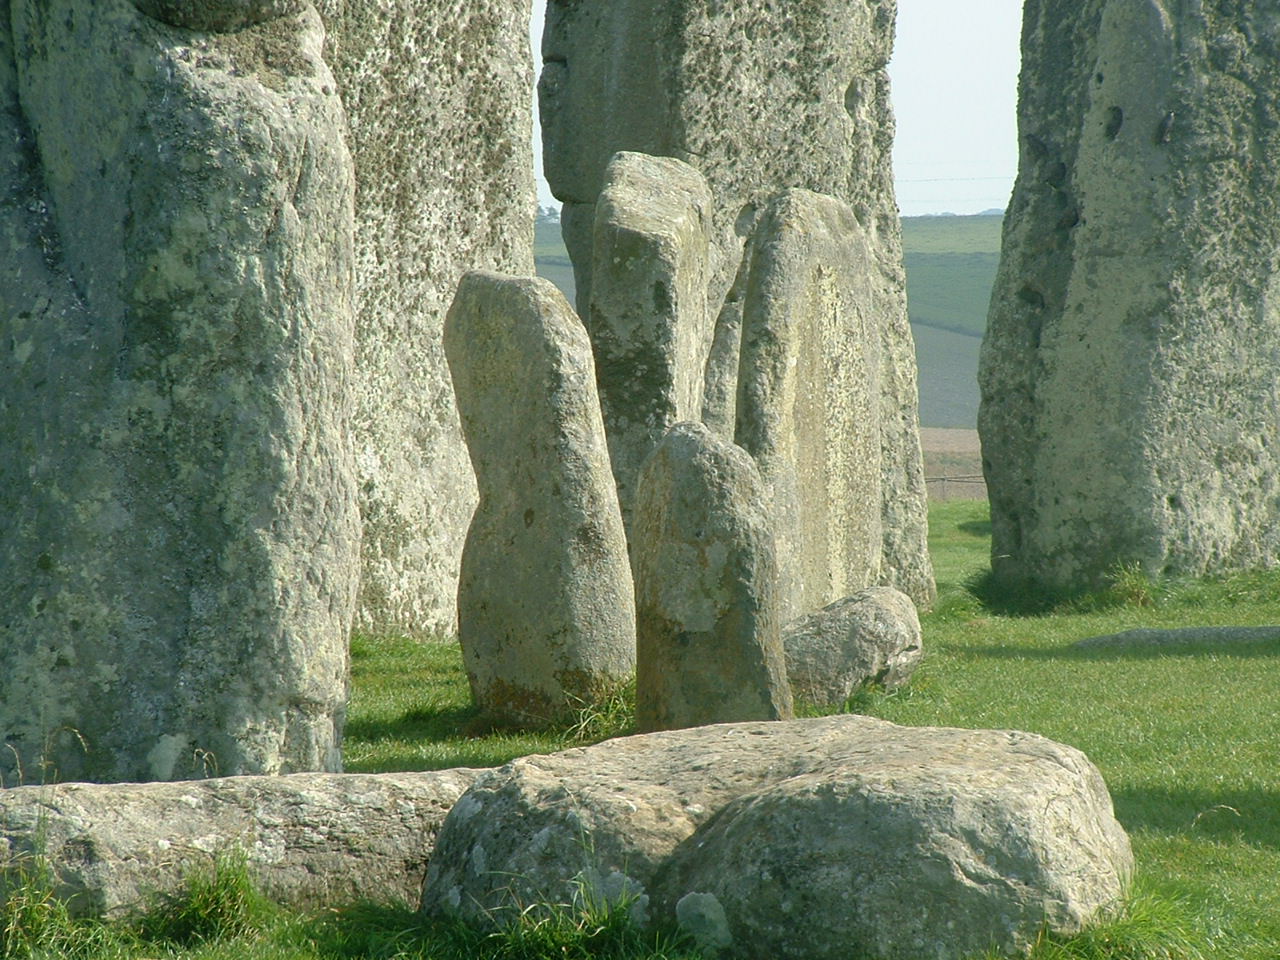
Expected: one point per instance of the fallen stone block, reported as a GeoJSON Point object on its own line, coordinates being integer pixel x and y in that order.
{"type": "Point", "coordinates": [810, 839]}
{"type": "Point", "coordinates": [308, 839]}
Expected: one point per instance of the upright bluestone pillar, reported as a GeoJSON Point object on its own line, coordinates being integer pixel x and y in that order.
{"type": "Point", "coordinates": [179, 548]}
{"type": "Point", "coordinates": [1131, 369]}
{"type": "Point", "coordinates": [546, 610]}
{"type": "Point", "coordinates": [759, 97]}
{"type": "Point", "coordinates": [808, 407]}
{"type": "Point", "coordinates": [648, 321]}
{"type": "Point", "coordinates": [439, 95]}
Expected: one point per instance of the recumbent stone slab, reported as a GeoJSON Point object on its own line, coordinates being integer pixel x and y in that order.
{"type": "Point", "coordinates": [179, 556]}
{"type": "Point", "coordinates": [1130, 374]}
{"type": "Point", "coordinates": [546, 612]}
{"type": "Point", "coordinates": [648, 321]}
{"type": "Point", "coordinates": [708, 641]}
{"type": "Point", "coordinates": [309, 840]}
{"type": "Point", "coordinates": [814, 838]}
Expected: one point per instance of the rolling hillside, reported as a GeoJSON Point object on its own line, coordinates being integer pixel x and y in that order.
{"type": "Point", "coordinates": [951, 264]}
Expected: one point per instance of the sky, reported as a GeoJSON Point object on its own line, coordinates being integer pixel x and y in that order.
{"type": "Point", "coordinates": [954, 78]}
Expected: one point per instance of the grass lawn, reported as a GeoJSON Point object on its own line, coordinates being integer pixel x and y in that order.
{"type": "Point", "coordinates": [1187, 739]}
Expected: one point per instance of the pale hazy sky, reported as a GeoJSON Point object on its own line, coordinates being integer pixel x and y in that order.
{"type": "Point", "coordinates": [954, 74]}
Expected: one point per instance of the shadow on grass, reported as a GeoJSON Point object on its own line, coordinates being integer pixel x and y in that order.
{"type": "Point", "coordinates": [976, 528]}
{"type": "Point", "coordinates": [1240, 649]}
{"type": "Point", "coordinates": [1251, 816]}
{"type": "Point", "coordinates": [423, 723]}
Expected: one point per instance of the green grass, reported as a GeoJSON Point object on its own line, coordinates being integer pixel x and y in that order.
{"type": "Point", "coordinates": [1186, 739]}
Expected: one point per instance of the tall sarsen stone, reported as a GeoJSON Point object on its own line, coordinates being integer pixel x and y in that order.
{"type": "Point", "coordinates": [759, 97]}
{"type": "Point", "coordinates": [179, 549]}
{"type": "Point", "coordinates": [439, 99]}
{"type": "Point", "coordinates": [1130, 373]}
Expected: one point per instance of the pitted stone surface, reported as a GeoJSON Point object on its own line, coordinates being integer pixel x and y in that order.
{"type": "Point", "coordinates": [439, 97]}
{"type": "Point", "coordinates": [870, 637]}
{"type": "Point", "coordinates": [546, 613]}
{"type": "Point", "coordinates": [309, 840]}
{"type": "Point", "coordinates": [708, 641]}
{"type": "Point", "coordinates": [808, 407]}
{"type": "Point", "coordinates": [758, 100]}
{"type": "Point", "coordinates": [179, 551]}
{"type": "Point", "coordinates": [810, 835]}
{"type": "Point", "coordinates": [648, 320]}
{"type": "Point", "coordinates": [221, 15]}
{"type": "Point", "coordinates": [1131, 370]}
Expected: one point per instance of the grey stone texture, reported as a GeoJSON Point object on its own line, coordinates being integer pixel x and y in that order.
{"type": "Point", "coordinates": [309, 840]}
{"type": "Point", "coordinates": [870, 637]}
{"type": "Point", "coordinates": [439, 100]}
{"type": "Point", "coordinates": [758, 99]}
{"type": "Point", "coordinates": [648, 319]}
{"type": "Point", "coordinates": [810, 403]}
{"type": "Point", "coordinates": [546, 611]}
{"type": "Point", "coordinates": [816, 838]}
{"type": "Point", "coordinates": [708, 640]}
{"type": "Point", "coordinates": [221, 15]}
{"type": "Point", "coordinates": [1130, 374]}
{"type": "Point", "coordinates": [179, 555]}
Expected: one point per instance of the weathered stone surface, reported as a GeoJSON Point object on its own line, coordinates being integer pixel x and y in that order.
{"type": "Point", "coordinates": [178, 561]}
{"type": "Point", "coordinates": [439, 98]}
{"type": "Point", "coordinates": [309, 839]}
{"type": "Point", "coordinates": [870, 637]}
{"type": "Point", "coordinates": [648, 321]}
{"type": "Point", "coordinates": [808, 405]}
{"type": "Point", "coordinates": [708, 641]}
{"type": "Point", "coordinates": [1131, 370]}
{"type": "Point", "coordinates": [546, 613]}
{"type": "Point", "coordinates": [815, 837]}
{"type": "Point", "coordinates": [758, 101]}
{"type": "Point", "coordinates": [217, 14]}
{"type": "Point", "coordinates": [1162, 638]}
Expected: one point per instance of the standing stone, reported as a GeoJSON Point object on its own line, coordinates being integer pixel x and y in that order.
{"type": "Point", "coordinates": [808, 396]}
{"type": "Point", "coordinates": [439, 95]}
{"type": "Point", "coordinates": [759, 97]}
{"type": "Point", "coordinates": [179, 555]}
{"type": "Point", "coordinates": [648, 319]}
{"type": "Point", "coordinates": [708, 643]}
{"type": "Point", "coordinates": [1131, 370]}
{"type": "Point", "coordinates": [546, 614]}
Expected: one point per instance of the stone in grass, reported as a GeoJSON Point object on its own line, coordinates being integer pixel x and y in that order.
{"type": "Point", "coordinates": [816, 839]}
{"type": "Point", "coordinates": [546, 614]}
{"type": "Point", "coordinates": [309, 840]}
{"type": "Point", "coordinates": [648, 321]}
{"type": "Point", "coordinates": [870, 637]}
{"type": "Point", "coordinates": [708, 646]}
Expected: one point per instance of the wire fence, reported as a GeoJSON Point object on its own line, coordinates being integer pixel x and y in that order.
{"type": "Point", "coordinates": [968, 487]}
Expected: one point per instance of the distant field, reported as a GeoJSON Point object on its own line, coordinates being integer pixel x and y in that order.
{"type": "Point", "coordinates": [951, 264]}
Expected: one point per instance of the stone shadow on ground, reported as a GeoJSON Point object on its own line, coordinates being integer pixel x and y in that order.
{"type": "Point", "coordinates": [1251, 815]}
{"type": "Point", "coordinates": [1244, 649]}
{"type": "Point", "coordinates": [976, 528]}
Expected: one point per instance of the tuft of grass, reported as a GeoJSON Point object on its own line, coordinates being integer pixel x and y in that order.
{"type": "Point", "coordinates": [221, 901]}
